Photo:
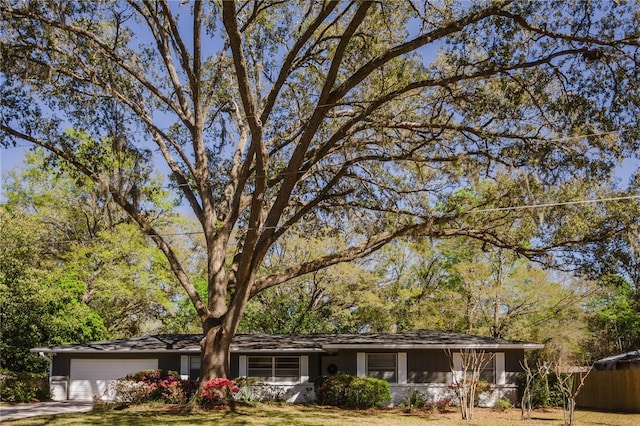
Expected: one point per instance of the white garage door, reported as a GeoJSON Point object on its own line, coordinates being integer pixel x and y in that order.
{"type": "Point", "coordinates": [90, 377]}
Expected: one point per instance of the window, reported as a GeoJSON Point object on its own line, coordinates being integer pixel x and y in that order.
{"type": "Point", "coordinates": [260, 367]}
{"type": "Point", "coordinates": [194, 367]}
{"type": "Point", "coordinates": [493, 372]}
{"type": "Point", "coordinates": [274, 368]}
{"type": "Point", "coordinates": [382, 366]}
{"type": "Point", "coordinates": [488, 373]}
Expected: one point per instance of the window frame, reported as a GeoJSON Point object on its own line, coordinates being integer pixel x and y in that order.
{"type": "Point", "coordinates": [274, 378]}
{"type": "Point", "coordinates": [490, 366]}
{"type": "Point", "coordinates": [368, 367]}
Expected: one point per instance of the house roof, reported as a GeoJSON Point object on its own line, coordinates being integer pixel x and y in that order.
{"type": "Point", "coordinates": [621, 361]}
{"type": "Point", "coordinates": [305, 343]}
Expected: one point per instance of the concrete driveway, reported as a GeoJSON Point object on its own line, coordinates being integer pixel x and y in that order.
{"type": "Point", "coordinates": [49, 408]}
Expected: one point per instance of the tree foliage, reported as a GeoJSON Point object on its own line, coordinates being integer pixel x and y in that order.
{"type": "Point", "coordinates": [289, 118]}
{"type": "Point", "coordinates": [37, 306]}
{"type": "Point", "coordinates": [73, 267]}
{"type": "Point", "coordinates": [614, 319]}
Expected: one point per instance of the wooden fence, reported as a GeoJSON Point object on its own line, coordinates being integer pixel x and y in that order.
{"type": "Point", "coordinates": [611, 390]}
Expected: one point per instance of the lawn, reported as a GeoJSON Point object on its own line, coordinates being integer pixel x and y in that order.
{"type": "Point", "coordinates": [303, 415]}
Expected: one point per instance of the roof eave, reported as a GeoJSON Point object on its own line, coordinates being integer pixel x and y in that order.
{"type": "Point", "coordinates": [525, 346]}
{"type": "Point", "coordinates": [185, 350]}
{"type": "Point", "coordinates": [109, 351]}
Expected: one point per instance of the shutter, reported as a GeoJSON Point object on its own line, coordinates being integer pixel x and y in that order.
{"type": "Point", "coordinates": [501, 375]}
{"type": "Point", "coordinates": [242, 367]}
{"type": "Point", "coordinates": [304, 368]}
{"type": "Point", "coordinates": [361, 366]}
{"type": "Point", "coordinates": [457, 367]}
{"type": "Point", "coordinates": [402, 367]}
{"type": "Point", "coordinates": [184, 367]}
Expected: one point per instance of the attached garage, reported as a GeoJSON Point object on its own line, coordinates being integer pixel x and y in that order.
{"type": "Point", "coordinates": [89, 377]}
{"type": "Point", "coordinates": [80, 371]}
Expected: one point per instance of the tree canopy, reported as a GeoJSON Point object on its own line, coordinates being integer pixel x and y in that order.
{"type": "Point", "coordinates": [396, 119]}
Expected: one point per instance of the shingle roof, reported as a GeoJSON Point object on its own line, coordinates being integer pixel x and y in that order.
{"type": "Point", "coordinates": [621, 361]}
{"type": "Point", "coordinates": [189, 343]}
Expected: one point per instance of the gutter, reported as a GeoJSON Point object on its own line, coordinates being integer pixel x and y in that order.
{"type": "Point", "coordinates": [525, 346]}
{"type": "Point", "coordinates": [49, 360]}
{"type": "Point", "coordinates": [233, 349]}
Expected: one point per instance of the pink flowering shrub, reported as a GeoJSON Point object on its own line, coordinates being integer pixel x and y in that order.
{"type": "Point", "coordinates": [218, 391]}
{"type": "Point", "coordinates": [160, 385]}
{"type": "Point", "coordinates": [442, 405]}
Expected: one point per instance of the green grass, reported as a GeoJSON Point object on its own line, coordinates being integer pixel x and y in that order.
{"type": "Point", "coordinates": [302, 415]}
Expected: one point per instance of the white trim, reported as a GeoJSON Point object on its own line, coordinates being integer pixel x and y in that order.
{"type": "Point", "coordinates": [457, 366]}
{"type": "Point", "coordinates": [376, 346]}
{"type": "Point", "coordinates": [184, 367]}
{"type": "Point", "coordinates": [242, 366]}
{"type": "Point", "coordinates": [402, 367]}
{"type": "Point", "coordinates": [286, 351]}
{"type": "Point", "coordinates": [501, 376]}
{"type": "Point", "coordinates": [304, 368]}
{"type": "Point", "coordinates": [323, 349]}
{"type": "Point", "coordinates": [361, 364]}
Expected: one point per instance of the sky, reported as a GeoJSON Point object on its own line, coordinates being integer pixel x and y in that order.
{"type": "Point", "coordinates": [9, 159]}
{"type": "Point", "coordinates": [12, 157]}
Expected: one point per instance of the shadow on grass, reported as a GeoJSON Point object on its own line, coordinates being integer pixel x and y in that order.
{"type": "Point", "coordinates": [268, 415]}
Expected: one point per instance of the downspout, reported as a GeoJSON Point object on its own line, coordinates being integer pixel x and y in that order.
{"type": "Point", "coordinates": [50, 361]}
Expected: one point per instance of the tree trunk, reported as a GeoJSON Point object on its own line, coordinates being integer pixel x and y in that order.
{"type": "Point", "coordinates": [215, 346]}
{"type": "Point", "coordinates": [572, 411]}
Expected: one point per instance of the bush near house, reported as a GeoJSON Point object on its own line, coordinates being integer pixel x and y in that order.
{"type": "Point", "coordinates": [545, 391]}
{"type": "Point", "coordinates": [153, 385]}
{"type": "Point", "coordinates": [24, 387]}
{"type": "Point", "coordinates": [420, 400]}
{"type": "Point", "coordinates": [167, 387]}
{"type": "Point", "coordinates": [164, 386]}
{"type": "Point", "coordinates": [218, 391]}
{"type": "Point", "coordinates": [347, 391]}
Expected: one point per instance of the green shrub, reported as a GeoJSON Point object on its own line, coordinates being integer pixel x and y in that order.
{"type": "Point", "coordinates": [502, 404]}
{"type": "Point", "coordinates": [24, 387]}
{"type": "Point", "coordinates": [332, 390]}
{"type": "Point", "coordinates": [413, 398]}
{"type": "Point", "coordinates": [545, 391]}
{"type": "Point", "coordinates": [367, 392]}
{"type": "Point", "coordinates": [352, 392]}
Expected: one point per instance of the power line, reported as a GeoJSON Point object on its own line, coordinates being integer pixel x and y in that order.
{"type": "Point", "coordinates": [556, 204]}
{"type": "Point", "coordinates": [472, 211]}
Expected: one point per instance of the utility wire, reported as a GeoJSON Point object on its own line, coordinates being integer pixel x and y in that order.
{"type": "Point", "coordinates": [472, 211]}
{"type": "Point", "coordinates": [564, 203]}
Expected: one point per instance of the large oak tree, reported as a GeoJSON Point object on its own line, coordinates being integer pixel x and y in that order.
{"type": "Point", "coordinates": [400, 118]}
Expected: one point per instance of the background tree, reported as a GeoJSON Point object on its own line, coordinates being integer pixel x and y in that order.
{"type": "Point", "coordinates": [461, 286]}
{"type": "Point", "coordinates": [614, 319]}
{"type": "Point", "coordinates": [311, 115]}
{"type": "Point", "coordinates": [86, 241]}
{"type": "Point", "coordinates": [37, 306]}
{"type": "Point", "coordinates": [615, 311]}
{"type": "Point", "coordinates": [321, 302]}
